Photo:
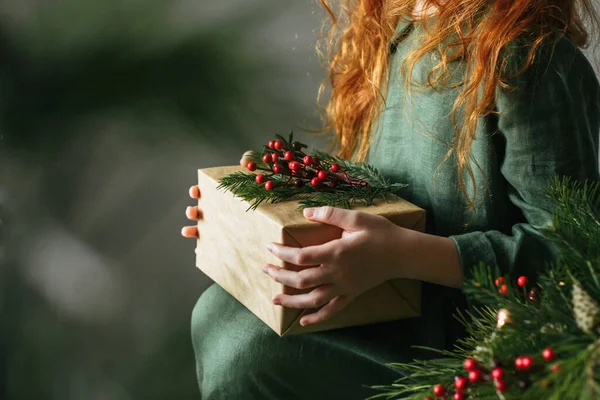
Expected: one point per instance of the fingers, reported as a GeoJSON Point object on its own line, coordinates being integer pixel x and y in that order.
{"type": "Point", "coordinates": [190, 232]}
{"type": "Point", "coordinates": [304, 279]}
{"type": "Point", "coordinates": [246, 159]}
{"type": "Point", "coordinates": [195, 192]}
{"type": "Point", "coordinates": [314, 299]}
{"type": "Point", "coordinates": [348, 220]}
{"type": "Point", "coordinates": [310, 255]}
{"type": "Point", "coordinates": [193, 213]}
{"type": "Point", "coordinates": [328, 311]}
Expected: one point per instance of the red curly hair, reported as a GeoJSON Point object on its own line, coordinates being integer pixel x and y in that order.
{"type": "Point", "coordinates": [357, 48]}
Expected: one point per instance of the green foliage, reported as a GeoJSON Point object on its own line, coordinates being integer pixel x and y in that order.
{"type": "Point", "coordinates": [244, 185]}
{"type": "Point", "coordinates": [551, 320]}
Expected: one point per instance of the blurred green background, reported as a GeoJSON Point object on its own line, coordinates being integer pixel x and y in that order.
{"type": "Point", "coordinates": [107, 109]}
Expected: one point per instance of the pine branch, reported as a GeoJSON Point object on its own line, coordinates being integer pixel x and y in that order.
{"type": "Point", "coordinates": [339, 182]}
{"type": "Point", "coordinates": [551, 320]}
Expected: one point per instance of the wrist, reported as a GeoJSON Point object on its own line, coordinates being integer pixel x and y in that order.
{"type": "Point", "coordinates": [425, 257]}
{"type": "Point", "coordinates": [403, 244]}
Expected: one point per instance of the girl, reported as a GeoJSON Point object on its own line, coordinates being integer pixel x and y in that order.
{"type": "Point", "coordinates": [477, 105]}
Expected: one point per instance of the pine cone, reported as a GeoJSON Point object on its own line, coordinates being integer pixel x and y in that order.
{"type": "Point", "coordinates": [585, 309]}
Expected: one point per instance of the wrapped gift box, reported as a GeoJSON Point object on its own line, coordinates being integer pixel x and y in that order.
{"type": "Point", "coordinates": [231, 250]}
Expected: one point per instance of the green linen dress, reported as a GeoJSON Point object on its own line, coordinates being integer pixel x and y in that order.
{"type": "Point", "coordinates": [548, 127]}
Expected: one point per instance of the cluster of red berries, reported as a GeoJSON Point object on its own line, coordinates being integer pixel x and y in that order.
{"type": "Point", "coordinates": [289, 160]}
{"type": "Point", "coordinates": [475, 373]}
{"type": "Point", "coordinates": [522, 282]}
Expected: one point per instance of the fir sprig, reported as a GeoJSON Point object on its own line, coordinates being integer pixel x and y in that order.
{"type": "Point", "coordinates": [549, 321]}
{"type": "Point", "coordinates": [345, 184]}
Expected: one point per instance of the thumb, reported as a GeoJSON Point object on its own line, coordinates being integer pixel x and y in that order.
{"type": "Point", "coordinates": [348, 220]}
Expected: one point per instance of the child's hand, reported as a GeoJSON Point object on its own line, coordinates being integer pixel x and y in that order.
{"type": "Point", "coordinates": [340, 270]}
{"type": "Point", "coordinates": [194, 213]}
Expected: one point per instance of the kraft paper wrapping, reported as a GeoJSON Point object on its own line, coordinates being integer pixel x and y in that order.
{"type": "Point", "coordinates": [231, 250]}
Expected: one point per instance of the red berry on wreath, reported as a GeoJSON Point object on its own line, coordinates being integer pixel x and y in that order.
{"type": "Point", "coordinates": [271, 144]}
{"type": "Point", "coordinates": [279, 145]}
{"type": "Point", "coordinates": [501, 385]}
{"type": "Point", "coordinates": [260, 178]}
{"type": "Point", "coordinates": [294, 166]}
{"type": "Point", "coordinates": [526, 362]}
{"type": "Point", "coordinates": [322, 174]}
{"type": "Point", "coordinates": [498, 374]}
{"type": "Point", "coordinates": [522, 281]}
{"type": "Point", "coordinates": [335, 168]}
{"type": "Point", "coordinates": [331, 184]}
{"type": "Point", "coordinates": [499, 281]}
{"type": "Point", "coordinates": [289, 156]}
{"type": "Point", "coordinates": [548, 354]}
{"type": "Point", "coordinates": [533, 294]}
{"type": "Point", "coordinates": [459, 396]}
{"type": "Point", "coordinates": [251, 166]}
{"type": "Point", "coordinates": [266, 158]}
{"type": "Point", "coordinates": [474, 375]}
{"type": "Point", "coordinates": [427, 398]}
{"type": "Point", "coordinates": [439, 390]}
{"type": "Point", "coordinates": [470, 364]}
{"type": "Point", "coordinates": [460, 382]}
{"type": "Point", "coordinates": [315, 182]}
{"type": "Point", "coordinates": [308, 160]}
{"type": "Point", "coordinates": [274, 157]}
{"type": "Point", "coordinates": [270, 185]}
{"type": "Point", "coordinates": [555, 368]}
{"type": "Point", "coordinates": [278, 168]}
{"type": "Point", "coordinates": [519, 362]}
{"type": "Point", "coordinates": [503, 290]}
{"type": "Point", "coordinates": [298, 182]}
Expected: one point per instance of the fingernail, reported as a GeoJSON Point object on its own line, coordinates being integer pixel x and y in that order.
{"type": "Point", "coordinates": [302, 322]}
{"type": "Point", "coordinates": [265, 269]}
{"type": "Point", "coordinates": [276, 301]}
{"type": "Point", "coordinates": [309, 212]}
{"type": "Point", "coordinates": [270, 247]}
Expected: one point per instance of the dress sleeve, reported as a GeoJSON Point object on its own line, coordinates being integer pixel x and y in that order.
{"type": "Point", "coordinates": [549, 127]}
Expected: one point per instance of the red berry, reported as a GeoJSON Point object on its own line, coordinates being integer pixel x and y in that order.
{"type": "Point", "coordinates": [266, 158]}
{"type": "Point", "coordinates": [439, 390]}
{"type": "Point", "coordinates": [315, 182]}
{"type": "Point", "coordinates": [331, 184]}
{"type": "Point", "coordinates": [251, 166]}
{"type": "Point", "coordinates": [260, 178]}
{"type": "Point", "coordinates": [548, 354]}
{"type": "Point", "coordinates": [278, 168]}
{"type": "Point", "coordinates": [519, 362]}
{"type": "Point", "coordinates": [526, 362]}
{"type": "Point", "coordinates": [460, 382]}
{"type": "Point", "coordinates": [322, 174]}
{"type": "Point", "coordinates": [555, 368]}
{"type": "Point", "coordinates": [503, 290]}
{"type": "Point", "coordinates": [269, 185]}
{"type": "Point", "coordinates": [470, 364]}
{"type": "Point", "coordinates": [474, 375]}
{"type": "Point", "coordinates": [271, 144]}
{"type": "Point", "coordinates": [274, 157]}
{"type": "Point", "coordinates": [298, 182]}
{"type": "Point", "coordinates": [427, 398]}
{"type": "Point", "coordinates": [308, 160]}
{"type": "Point", "coordinates": [501, 385]}
{"type": "Point", "coordinates": [459, 396]}
{"type": "Point", "coordinates": [498, 374]}
{"type": "Point", "coordinates": [335, 168]}
{"type": "Point", "coordinates": [499, 281]}
{"type": "Point", "coordinates": [522, 281]}
{"type": "Point", "coordinates": [289, 156]}
{"type": "Point", "coordinates": [279, 144]}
